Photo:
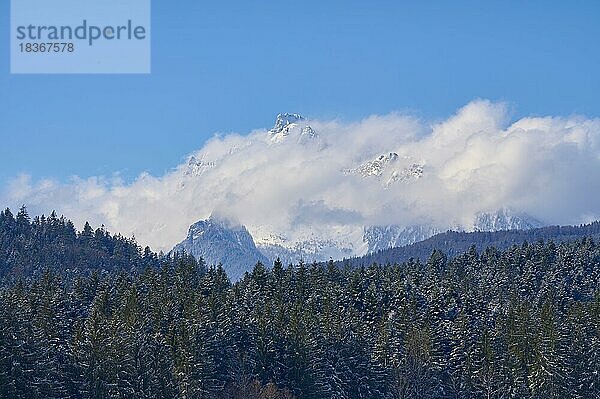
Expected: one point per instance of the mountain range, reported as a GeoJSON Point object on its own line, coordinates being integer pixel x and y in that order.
{"type": "Point", "coordinates": [453, 243]}
{"type": "Point", "coordinates": [307, 238]}
{"type": "Point", "coordinates": [219, 241]}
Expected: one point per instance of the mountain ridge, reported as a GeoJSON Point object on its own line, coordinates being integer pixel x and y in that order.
{"type": "Point", "coordinates": [218, 240]}
{"type": "Point", "coordinates": [452, 243]}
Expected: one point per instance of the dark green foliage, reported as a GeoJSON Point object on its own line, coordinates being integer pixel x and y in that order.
{"type": "Point", "coordinates": [28, 248]}
{"type": "Point", "coordinates": [522, 323]}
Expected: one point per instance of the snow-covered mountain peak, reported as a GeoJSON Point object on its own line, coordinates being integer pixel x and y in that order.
{"type": "Point", "coordinates": [375, 167]}
{"type": "Point", "coordinates": [389, 168]}
{"type": "Point", "coordinates": [218, 240]}
{"type": "Point", "coordinates": [225, 222]}
{"type": "Point", "coordinates": [292, 125]}
{"type": "Point", "coordinates": [284, 120]}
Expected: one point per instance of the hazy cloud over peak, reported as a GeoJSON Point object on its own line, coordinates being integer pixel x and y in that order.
{"type": "Point", "coordinates": [318, 181]}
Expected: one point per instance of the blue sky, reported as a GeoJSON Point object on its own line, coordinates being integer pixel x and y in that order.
{"type": "Point", "coordinates": [232, 66]}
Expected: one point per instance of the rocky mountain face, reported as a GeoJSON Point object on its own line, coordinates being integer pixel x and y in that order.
{"type": "Point", "coordinates": [217, 240]}
{"type": "Point", "coordinates": [379, 238]}
{"type": "Point", "coordinates": [389, 168]}
{"type": "Point", "coordinates": [453, 243]}
{"type": "Point", "coordinates": [505, 219]}
{"type": "Point", "coordinates": [292, 125]}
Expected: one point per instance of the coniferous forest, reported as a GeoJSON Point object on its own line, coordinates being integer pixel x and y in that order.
{"type": "Point", "coordinates": [91, 315]}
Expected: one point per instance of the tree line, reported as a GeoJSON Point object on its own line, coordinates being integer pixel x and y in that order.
{"type": "Point", "coordinates": [523, 322]}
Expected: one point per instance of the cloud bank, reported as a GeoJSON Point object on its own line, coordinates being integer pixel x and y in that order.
{"type": "Point", "coordinates": [332, 179]}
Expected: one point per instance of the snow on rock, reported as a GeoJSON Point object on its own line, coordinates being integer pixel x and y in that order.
{"type": "Point", "coordinates": [504, 219]}
{"type": "Point", "coordinates": [198, 166]}
{"type": "Point", "coordinates": [383, 237]}
{"type": "Point", "coordinates": [389, 168]}
{"type": "Point", "coordinates": [293, 126]}
{"type": "Point", "coordinates": [220, 241]}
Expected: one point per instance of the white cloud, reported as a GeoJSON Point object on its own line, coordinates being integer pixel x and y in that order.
{"type": "Point", "coordinates": [474, 161]}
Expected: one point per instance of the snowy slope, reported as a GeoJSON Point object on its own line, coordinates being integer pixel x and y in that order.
{"type": "Point", "coordinates": [391, 236]}
{"type": "Point", "coordinates": [307, 251]}
{"type": "Point", "coordinates": [388, 169]}
{"type": "Point", "coordinates": [505, 219]}
{"type": "Point", "coordinates": [378, 238]}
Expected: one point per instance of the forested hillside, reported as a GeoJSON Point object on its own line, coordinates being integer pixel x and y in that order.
{"type": "Point", "coordinates": [453, 243]}
{"type": "Point", "coordinates": [520, 323]}
{"type": "Point", "coordinates": [28, 247]}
